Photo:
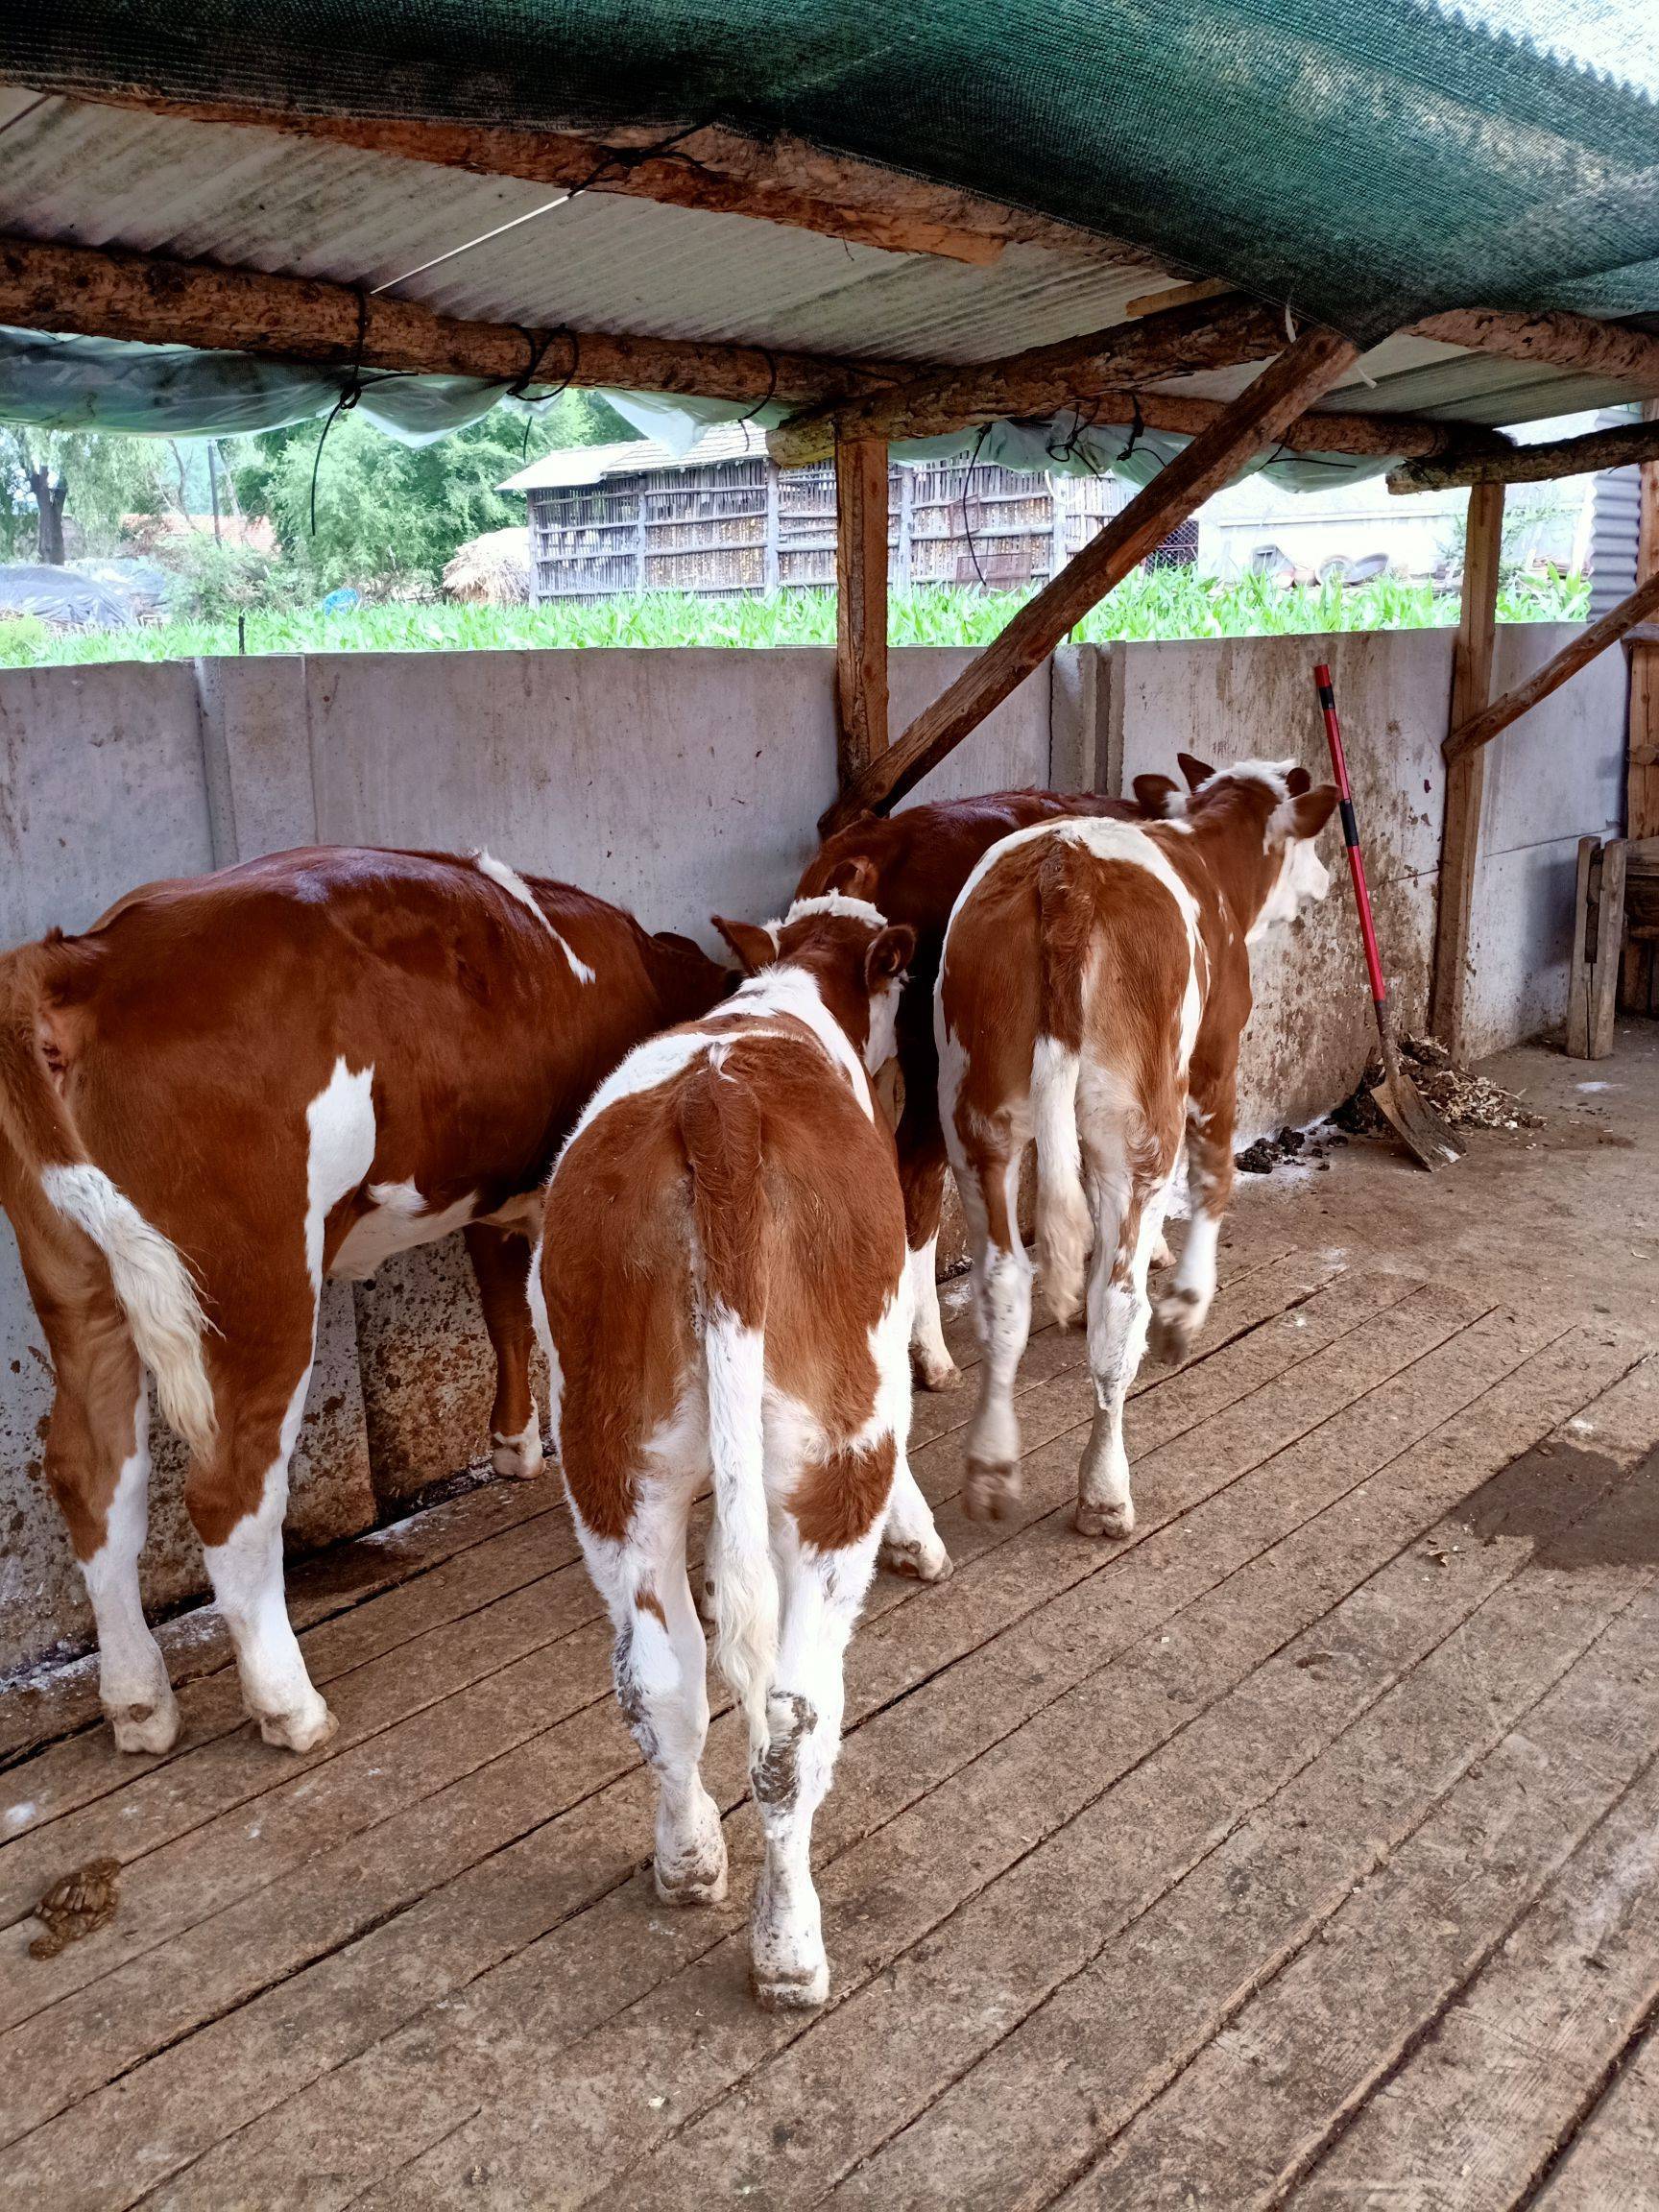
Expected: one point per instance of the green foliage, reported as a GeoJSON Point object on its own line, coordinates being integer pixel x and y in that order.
{"type": "Point", "coordinates": [1151, 604]}
{"type": "Point", "coordinates": [215, 583]}
{"type": "Point", "coordinates": [388, 516]}
{"type": "Point", "coordinates": [107, 477]}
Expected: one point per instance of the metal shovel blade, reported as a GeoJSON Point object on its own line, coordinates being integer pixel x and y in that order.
{"type": "Point", "coordinates": [1430, 1141]}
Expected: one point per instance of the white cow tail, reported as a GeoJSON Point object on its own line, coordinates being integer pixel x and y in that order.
{"type": "Point", "coordinates": [720, 1128]}
{"type": "Point", "coordinates": [1064, 1230]}
{"type": "Point", "coordinates": [147, 1272]}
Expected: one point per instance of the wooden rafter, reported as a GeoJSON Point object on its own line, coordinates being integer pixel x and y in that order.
{"type": "Point", "coordinates": [1560, 339]}
{"type": "Point", "coordinates": [110, 292]}
{"type": "Point", "coordinates": [1466, 777]}
{"type": "Point", "coordinates": [1584, 648]}
{"type": "Point", "coordinates": [779, 180]}
{"type": "Point", "coordinates": [1203, 334]}
{"type": "Point", "coordinates": [1281, 392]}
{"type": "Point", "coordinates": [1539, 464]}
{"type": "Point", "coordinates": [1368, 437]}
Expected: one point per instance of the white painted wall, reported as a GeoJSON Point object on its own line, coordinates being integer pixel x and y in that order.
{"type": "Point", "coordinates": [682, 783]}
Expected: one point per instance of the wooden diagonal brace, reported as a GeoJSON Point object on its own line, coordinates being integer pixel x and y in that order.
{"type": "Point", "coordinates": [1315, 362]}
{"type": "Point", "coordinates": [1596, 640]}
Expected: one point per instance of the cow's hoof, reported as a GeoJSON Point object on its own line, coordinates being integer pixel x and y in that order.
{"type": "Point", "coordinates": [990, 1493]}
{"type": "Point", "coordinates": [1115, 1521]}
{"type": "Point", "coordinates": [934, 1373]}
{"type": "Point", "coordinates": [692, 1880]}
{"type": "Point", "coordinates": [1175, 1325]}
{"type": "Point", "coordinates": [1162, 1256]}
{"type": "Point", "coordinates": [803, 1991]}
{"type": "Point", "coordinates": [518, 1458]}
{"type": "Point", "coordinates": [920, 1562]}
{"type": "Point", "coordinates": [146, 1729]}
{"type": "Point", "coordinates": [303, 1730]}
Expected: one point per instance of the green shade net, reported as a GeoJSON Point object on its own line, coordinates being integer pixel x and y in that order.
{"type": "Point", "coordinates": [1365, 163]}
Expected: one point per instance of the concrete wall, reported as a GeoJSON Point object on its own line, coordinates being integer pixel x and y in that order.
{"type": "Point", "coordinates": [685, 783]}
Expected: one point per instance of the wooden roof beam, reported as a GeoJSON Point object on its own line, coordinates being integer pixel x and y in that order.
{"type": "Point", "coordinates": [780, 179]}
{"type": "Point", "coordinates": [1203, 334]}
{"type": "Point", "coordinates": [1539, 464]}
{"type": "Point", "coordinates": [112, 293]}
{"type": "Point", "coordinates": [1559, 339]}
{"type": "Point", "coordinates": [1379, 437]}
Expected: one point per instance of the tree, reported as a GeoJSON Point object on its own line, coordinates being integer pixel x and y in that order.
{"type": "Point", "coordinates": [388, 516]}
{"type": "Point", "coordinates": [95, 478]}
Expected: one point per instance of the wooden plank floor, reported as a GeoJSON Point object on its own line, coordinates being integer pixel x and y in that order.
{"type": "Point", "coordinates": [1305, 1848]}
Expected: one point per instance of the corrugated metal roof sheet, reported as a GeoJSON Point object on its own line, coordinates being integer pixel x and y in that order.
{"type": "Point", "coordinates": [268, 201]}
{"type": "Point", "coordinates": [590, 464]}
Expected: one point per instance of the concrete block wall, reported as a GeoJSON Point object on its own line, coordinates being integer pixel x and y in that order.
{"type": "Point", "coordinates": [684, 783]}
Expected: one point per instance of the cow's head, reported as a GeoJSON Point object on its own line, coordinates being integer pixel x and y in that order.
{"type": "Point", "coordinates": [1281, 811]}
{"type": "Point", "coordinates": [854, 955]}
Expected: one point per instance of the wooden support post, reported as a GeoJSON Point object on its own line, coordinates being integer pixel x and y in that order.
{"type": "Point", "coordinates": [1466, 777]}
{"type": "Point", "coordinates": [860, 605]}
{"type": "Point", "coordinates": [1253, 421]}
{"type": "Point", "coordinates": [1584, 648]}
{"type": "Point", "coordinates": [1641, 990]}
{"type": "Point", "coordinates": [1598, 931]}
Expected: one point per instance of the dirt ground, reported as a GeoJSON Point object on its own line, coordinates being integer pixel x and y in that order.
{"type": "Point", "coordinates": [1303, 1849]}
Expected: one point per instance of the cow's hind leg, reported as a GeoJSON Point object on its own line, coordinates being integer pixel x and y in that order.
{"type": "Point", "coordinates": [822, 1593]}
{"type": "Point", "coordinates": [1183, 1305]}
{"type": "Point", "coordinates": [1131, 1192]}
{"type": "Point", "coordinates": [659, 1667]}
{"type": "Point", "coordinates": [501, 1263]}
{"type": "Point", "coordinates": [98, 1468]}
{"type": "Point", "coordinates": [910, 1543]}
{"type": "Point", "coordinates": [988, 1180]}
{"type": "Point", "coordinates": [237, 1500]}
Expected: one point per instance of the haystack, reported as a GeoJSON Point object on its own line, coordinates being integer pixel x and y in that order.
{"type": "Point", "coordinates": [492, 570]}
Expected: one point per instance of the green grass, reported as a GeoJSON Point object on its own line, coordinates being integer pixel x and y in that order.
{"type": "Point", "coordinates": [1168, 603]}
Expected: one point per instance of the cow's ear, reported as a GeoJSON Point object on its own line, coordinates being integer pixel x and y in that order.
{"type": "Point", "coordinates": [854, 878]}
{"type": "Point", "coordinates": [753, 944]}
{"type": "Point", "coordinates": [890, 953]}
{"type": "Point", "coordinates": [1195, 771]}
{"type": "Point", "coordinates": [1312, 809]}
{"type": "Point", "coordinates": [1297, 781]}
{"type": "Point", "coordinates": [1154, 796]}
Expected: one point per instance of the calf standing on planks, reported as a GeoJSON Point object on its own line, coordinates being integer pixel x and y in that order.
{"type": "Point", "coordinates": [726, 1297]}
{"type": "Point", "coordinates": [1094, 985]}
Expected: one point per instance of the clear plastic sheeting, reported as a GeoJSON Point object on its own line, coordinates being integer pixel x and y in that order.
{"type": "Point", "coordinates": [174, 392]}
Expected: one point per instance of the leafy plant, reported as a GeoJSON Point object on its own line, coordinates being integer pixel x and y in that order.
{"type": "Point", "coordinates": [1151, 604]}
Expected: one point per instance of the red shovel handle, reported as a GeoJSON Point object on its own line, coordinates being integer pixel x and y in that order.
{"type": "Point", "coordinates": [1351, 834]}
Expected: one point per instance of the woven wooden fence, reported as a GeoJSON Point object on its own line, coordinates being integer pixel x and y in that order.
{"type": "Point", "coordinates": [743, 526]}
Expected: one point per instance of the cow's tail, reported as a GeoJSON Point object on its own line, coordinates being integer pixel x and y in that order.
{"type": "Point", "coordinates": [1065, 1229]}
{"type": "Point", "coordinates": [721, 1130]}
{"type": "Point", "coordinates": [148, 1273]}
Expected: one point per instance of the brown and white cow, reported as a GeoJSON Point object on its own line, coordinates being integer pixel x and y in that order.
{"type": "Point", "coordinates": [919, 861]}
{"type": "Point", "coordinates": [726, 1299]}
{"type": "Point", "coordinates": [1094, 986]}
{"type": "Point", "coordinates": [231, 1087]}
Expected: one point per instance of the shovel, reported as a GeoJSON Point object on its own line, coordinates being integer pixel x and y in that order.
{"type": "Point", "coordinates": [1397, 1098]}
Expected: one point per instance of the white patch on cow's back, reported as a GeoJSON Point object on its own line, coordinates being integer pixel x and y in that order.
{"type": "Point", "coordinates": [832, 902]}
{"type": "Point", "coordinates": [793, 991]}
{"type": "Point", "coordinates": [400, 1219]}
{"type": "Point", "coordinates": [649, 1064]}
{"type": "Point", "coordinates": [341, 1121]}
{"type": "Point", "coordinates": [515, 887]}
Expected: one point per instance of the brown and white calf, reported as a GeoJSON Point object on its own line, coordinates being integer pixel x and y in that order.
{"type": "Point", "coordinates": [1094, 986]}
{"type": "Point", "coordinates": [231, 1087]}
{"type": "Point", "coordinates": [915, 865]}
{"type": "Point", "coordinates": [726, 1299]}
